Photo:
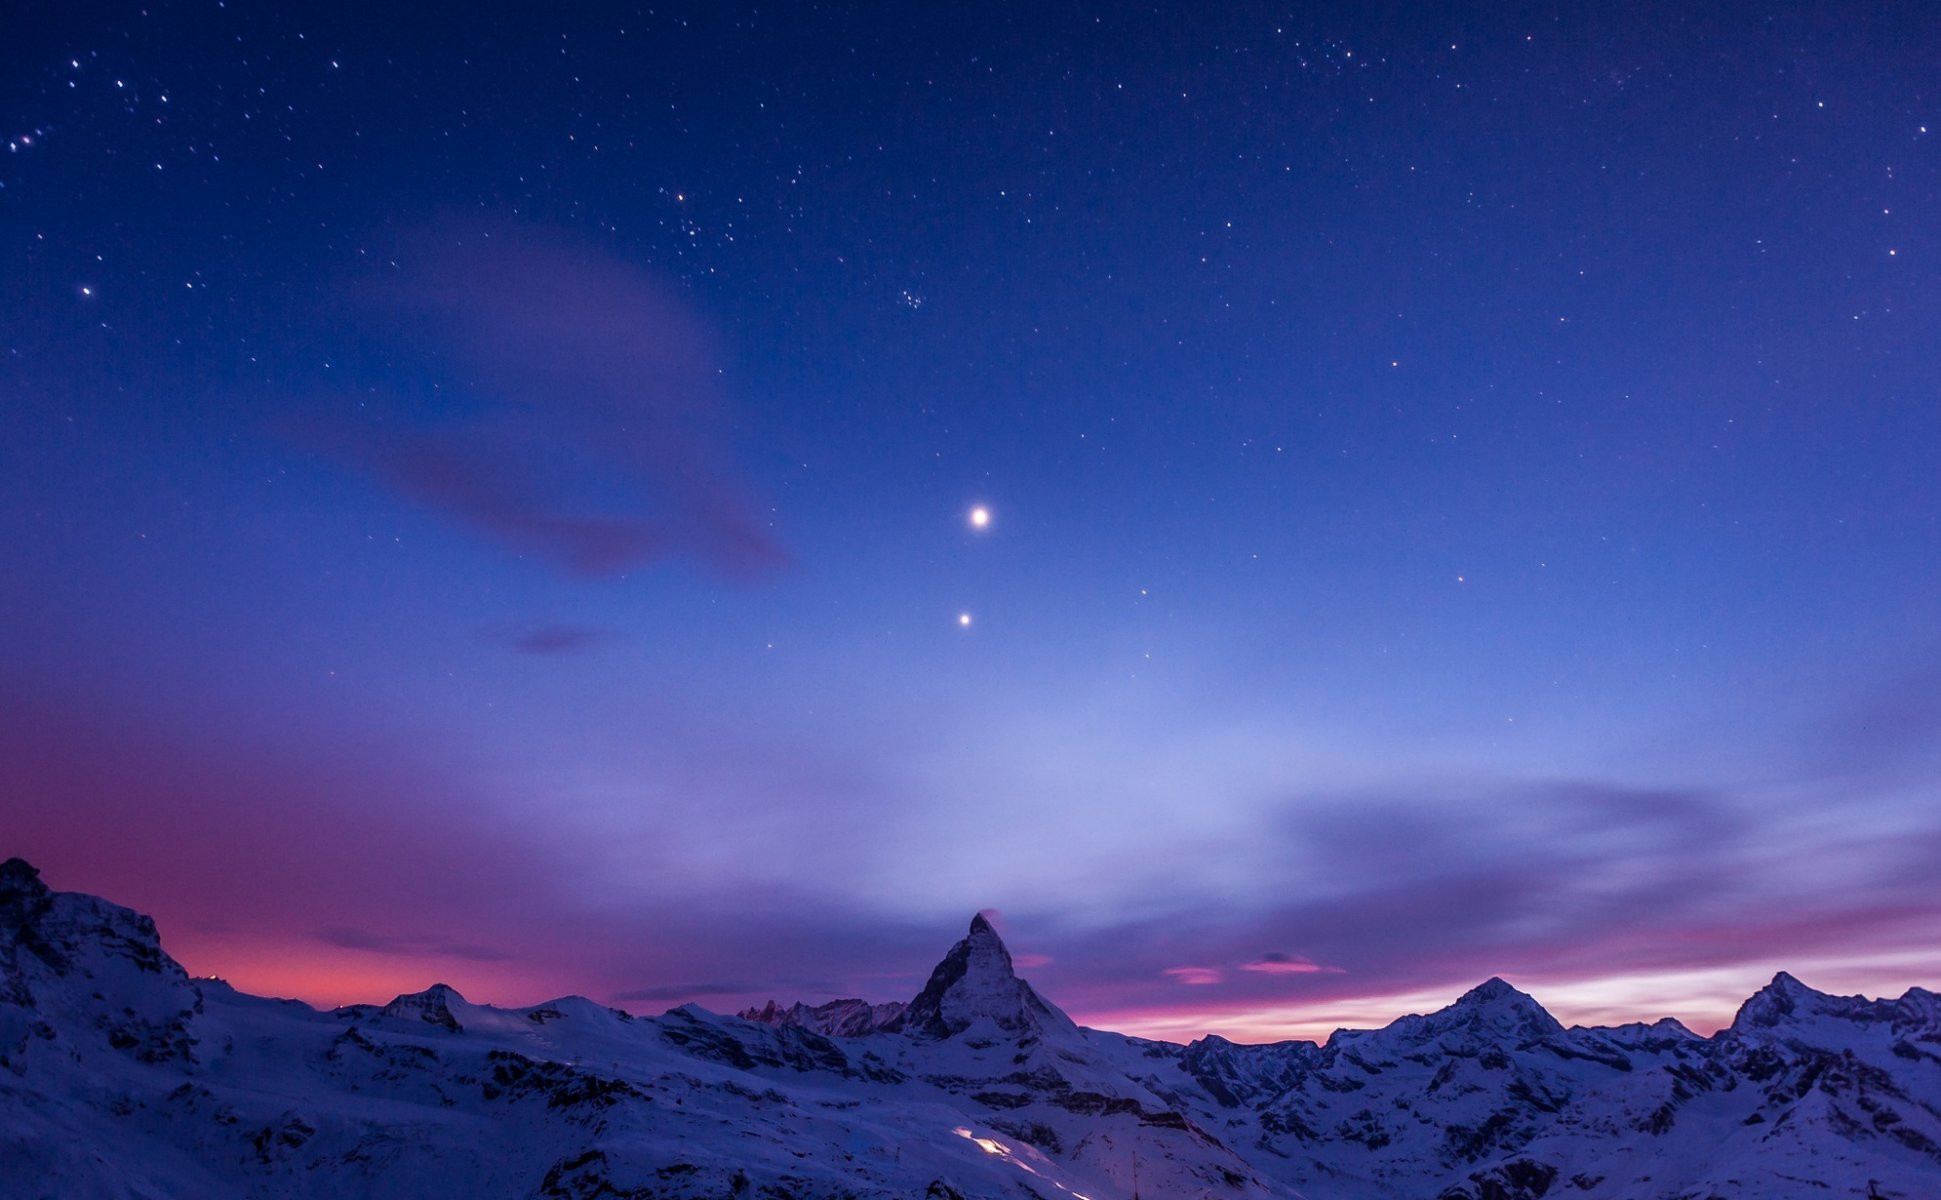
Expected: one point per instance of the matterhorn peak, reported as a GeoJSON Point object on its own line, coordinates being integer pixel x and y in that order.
{"type": "Point", "coordinates": [984, 939]}
{"type": "Point", "coordinates": [974, 982]}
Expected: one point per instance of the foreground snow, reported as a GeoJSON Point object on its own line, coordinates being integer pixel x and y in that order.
{"type": "Point", "coordinates": [120, 1076]}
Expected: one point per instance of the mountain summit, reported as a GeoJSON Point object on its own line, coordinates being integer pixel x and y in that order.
{"type": "Point", "coordinates": [120, 1075]}
{"type": "Point", "coordinates": [1496, 1008]}
{"type": "Point", "coordinates": [975, 982]}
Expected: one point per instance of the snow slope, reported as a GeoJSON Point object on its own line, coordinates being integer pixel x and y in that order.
{"type": "Point", "coordinates": [122, 1077]}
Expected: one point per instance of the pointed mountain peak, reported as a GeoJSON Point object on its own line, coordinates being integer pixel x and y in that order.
{"type": "Point", "coordinates": [987, 945]}
{"type": "Point", "coordinates": [1505, 1009]}
{"type": "Point", "coordinates": [1492, 991]}
{"type": "Point", "coordinates": [1780, 1002]}
{"type": "Point", "coordinates": [1493, 1010]}
{"type": "Point", "coordinates": [773, 1013]}
{"type": "Point", "coordinates": [976, 981]}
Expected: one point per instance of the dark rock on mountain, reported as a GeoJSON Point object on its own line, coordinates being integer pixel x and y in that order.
{"type": "Point", "coordinates": [976, 983]}
{"type": "Point", "coordinates": [837, 1018]}
{"type": "Point", "coordinates": [433, 1006]}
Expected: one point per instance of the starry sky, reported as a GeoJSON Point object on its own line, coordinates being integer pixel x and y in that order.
{"type": "Point", "coordinates": [487, 494]}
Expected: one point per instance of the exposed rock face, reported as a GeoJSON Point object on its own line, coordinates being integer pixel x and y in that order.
{"type": "Point", "coordinates": [120, 1077]}
{"type": "Point", "coordinates": [1789, 1008]}
{"type": "Point", "coordinates": [23, 906]}
{"type": "Point", "coordinates": [433, 1006]}
{"type": "Point", "coordinates": [1231, 1072]}
{"type": "Point", "coordinates": [975, 985]}
{"type": "Point", "coordinates": [97, 966]}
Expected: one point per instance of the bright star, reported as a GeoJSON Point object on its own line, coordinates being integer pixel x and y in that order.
{"type": "Point", "coordinates": [980, 517]}
{"type": "Point", "coordinates": [963, 620]}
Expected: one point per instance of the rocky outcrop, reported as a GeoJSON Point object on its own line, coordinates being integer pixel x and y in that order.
{"type": "Point", "coordinates": [98, 966]}
{"type": "Point", "coordinates": [837, 1018]}
{"type": "Point", "coordinates": [434, 1006]}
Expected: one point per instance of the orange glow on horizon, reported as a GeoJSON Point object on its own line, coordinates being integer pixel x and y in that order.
{"type": "Point", "coordinates": [326, 976]}
{"type": "Point", "coordinates": [1704, 1000]}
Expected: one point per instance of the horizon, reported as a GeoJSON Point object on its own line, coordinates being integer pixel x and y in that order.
{"type": "Point", "coordinates": [1297, 512]}
{"type": "Point", "coordinates": [1368, 1012]}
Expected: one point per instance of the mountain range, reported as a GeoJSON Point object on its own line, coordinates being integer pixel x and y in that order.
{"type": "Point", "coordinates": [121, 1076]}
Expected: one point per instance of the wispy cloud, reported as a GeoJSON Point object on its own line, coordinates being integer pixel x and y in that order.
{"type": "Point", "coordinates": [1417, 888]}
{"type": "Point", "coordinates": [409, 945]}
{"type": "Point", "coordinates": [1276, 963]}
{"type": "Point", "coordinates": [548, 639]}
{"type": "Point", "coordinates": [1195, 976]}
{"type": "Point", "coordinates": [596, 437]}
{"type": "Point", "coordinates": [688, 991]}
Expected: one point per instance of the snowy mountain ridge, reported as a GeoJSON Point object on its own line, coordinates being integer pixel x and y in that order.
{"type": "Point", "coordinates": [122, 1077]}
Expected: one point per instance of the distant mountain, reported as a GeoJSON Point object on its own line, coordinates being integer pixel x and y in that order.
{"type": "Point", "coordinates": [837, 1018]}
{"type": "Point", "coordinates": [122, 1077]}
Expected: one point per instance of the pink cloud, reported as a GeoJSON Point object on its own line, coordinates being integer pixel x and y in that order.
{"type": "Point", "coordinates": [1276, 963]}
{"type": "Point", "coordinates": [1196, 976]}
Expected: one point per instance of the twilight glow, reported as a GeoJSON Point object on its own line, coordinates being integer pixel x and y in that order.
{"type": "Point", "coordinates": [1296, 514]}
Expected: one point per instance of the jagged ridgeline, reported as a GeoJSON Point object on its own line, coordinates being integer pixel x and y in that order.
{"type": "Point", "coordinates": [122, 1077]}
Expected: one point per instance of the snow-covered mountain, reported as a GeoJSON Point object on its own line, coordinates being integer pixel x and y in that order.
{"type": "Point", "coordinates": [122, 1077]}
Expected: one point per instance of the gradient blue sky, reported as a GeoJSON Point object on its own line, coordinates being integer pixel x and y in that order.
{"type": "Point", "coordinates": [486, 498]}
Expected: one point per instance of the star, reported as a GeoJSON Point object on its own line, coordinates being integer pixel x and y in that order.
{"type": "Point", "coordinates": [980, 517]}
{"type": "Point", "coordinates": [963, 620]}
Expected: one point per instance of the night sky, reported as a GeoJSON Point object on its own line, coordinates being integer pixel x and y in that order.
{"type": "Point", "coordinates": [487, 496]}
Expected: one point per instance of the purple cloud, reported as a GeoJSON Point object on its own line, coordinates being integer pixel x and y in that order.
{"type": "Point", "coordinates": [597, 439]}
{"type": "Point", "coordinates": [345, 873]}
{"type": "Point", "coordinates": [234, 839]}
{"type": "Point", "coordinates": [1569, 881]}
{"type": "Point", "coordinates": [549, 639]}
{"type": "Point", "coordinates": [1195, 976]}
{"type": "Point", "coordinates": [683, 992]}
{"type": "Point", "coordinates": [1276, 963]}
